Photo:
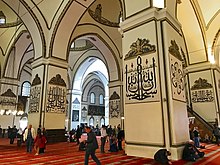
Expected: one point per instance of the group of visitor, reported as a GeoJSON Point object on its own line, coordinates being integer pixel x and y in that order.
{"type": "Point", "coordinates": [38, 141]}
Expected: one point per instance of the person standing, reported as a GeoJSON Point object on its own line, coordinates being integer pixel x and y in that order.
{"type": "Point", "coordinates": [91, 146]}
{"type": "Point", "coordinates": [0, 131]}
{"type": "Point", "coordinates": [78, 134]}
{"type": "Point", "coordinates": [103, 138]}
{"type": "Point", "coordinates": [13, 134]}
{"type": "Point", "coordinates": [121, 136]}
{"type": "Point", "coordinates": [29, 136]}
{"type": "Point", "coordinates": [216, 133]}
{"type": "Point", "coordinates": [196, 137]}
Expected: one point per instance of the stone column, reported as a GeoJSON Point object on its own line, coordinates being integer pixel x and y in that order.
{"type": "Point", "coordinates": [48, 97]}
{"type": "Point", "coordinates": [155, 105]}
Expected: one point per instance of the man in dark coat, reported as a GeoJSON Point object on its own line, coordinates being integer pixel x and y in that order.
{"type": "Point", "coordinates": [161, 156]}
{"type": "Point", "coordinates": [78, 134]}
{"type": "Point", "coordinates": [191, 153]}
{"type": "Point", "coordinates": [91, 146]}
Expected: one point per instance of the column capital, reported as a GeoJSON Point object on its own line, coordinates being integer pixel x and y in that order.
{"type": "Point", "coordinates": [50, 61]}
{"type": "Point", "coordinates": [146, 16]}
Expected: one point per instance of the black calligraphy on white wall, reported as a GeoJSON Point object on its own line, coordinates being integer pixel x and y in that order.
{"type": "Point", "coordinates": [114, 105]}
{"type": "Point", "coordinates": [202, 96]}
{"type": "Point", "coordinates": [177, 77]}
{"type": "Point", "coordinates": [141, 82]}
{"type": "Point", "coordinates": [35, 95]}
{"type": "Point", "coordinates": [176, 71]}
{"type": "Point", "coordinates": [56, 99]}
{"type": "Point", "coordinates": [56, 96]}
{"type": "Point", "coordinates": [34, 99]}
{"type": "Point", "coordinates": [202, 91]}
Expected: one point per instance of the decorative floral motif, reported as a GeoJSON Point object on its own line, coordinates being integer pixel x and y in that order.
{"type": "Point", "coordinates": [141, 46]}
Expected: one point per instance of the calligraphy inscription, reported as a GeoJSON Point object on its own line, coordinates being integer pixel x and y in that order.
{"type": "Point", "coordinates": [114, 108]}
{"type": "Point", "coordinates": [177, 77]}
{"type": "Point", "coordinates": [114, 105]}
{"type": "Point", "coordinates": [141, 82]}
{"type": "Point", "coordinates": [202, 91]}
{"type": "Point", "coordinates": [202, 96]}
{"type": "Point", "coordinates": [56, 100]}
{"type": "Point", "coordinates": [34, 99]}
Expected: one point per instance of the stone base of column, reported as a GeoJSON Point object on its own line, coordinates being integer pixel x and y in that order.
{"type": "Point", "coordinates": [56, 135]}
{"type": "Point", "coordinates": [149, 151]}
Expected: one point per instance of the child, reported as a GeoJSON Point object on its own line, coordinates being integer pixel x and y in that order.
{"type": "Point", "coordinates": [39, 142]}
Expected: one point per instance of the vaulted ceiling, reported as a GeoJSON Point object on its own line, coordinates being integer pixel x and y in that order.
{"type": "Point", "coordinates": [200, 24]}
{"type": "Point", "coordinates": [199, 19]}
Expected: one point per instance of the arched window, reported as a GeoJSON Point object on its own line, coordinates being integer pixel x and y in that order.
{"type": "Point", "coordinates": [91, 121]}
{"type": "Point", "coordinates": [102, 120]}
{"type": "Point", "coordinates": [26, 87]}
{"type": "Point", "coordinates": [92, 98]}
{"type": "Point", "coordinates": [101, 99]}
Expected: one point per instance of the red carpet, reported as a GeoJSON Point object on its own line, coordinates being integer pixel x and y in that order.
{"type": "Point", "coordinates": [67, 153]}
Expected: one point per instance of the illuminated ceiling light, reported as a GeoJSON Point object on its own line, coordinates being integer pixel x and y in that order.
{"type": "Point", "coordinates": [8, 112]}
{"type": "Point", "coordinates": [72, 45]}
{"type": "Point", "coordinates": [14, 112]}
{"type": "Point", "coordinates": [2, 18]}
{"type": "Point", "coordinates": [158, 3]}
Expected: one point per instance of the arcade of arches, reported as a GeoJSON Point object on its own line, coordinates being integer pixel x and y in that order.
{"type": "Point", "coordinates": [150, 69]}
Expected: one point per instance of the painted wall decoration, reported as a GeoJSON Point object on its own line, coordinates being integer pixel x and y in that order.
{"type": "Point", "coordinates": [75, 116]}
{"type": "Point", "coordinates": [97, 15]}
{"type": "Point", "coordinates": [76, 104]}
{"type": "Point", "coordinates": [35, 95]}
{"type": "Point", "coordinates": [176, 71]}
{"type": "Point", "coordinates": [56, 96]}
{"type": "Point", "coordinates": [84, 114]}
{"type": "Point", "coordinates": [141, 72]}
{"type": "Point", "coordinates": [114, 105]}
{"type": "Point", "coordinates": [96, 110]}
{"type": "Point", "coordinates": [8, 101]}
{"type": "Point", "coordinates": [202, 91]}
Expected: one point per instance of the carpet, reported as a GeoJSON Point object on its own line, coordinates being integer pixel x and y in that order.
{"type": "Point", "coordinates": [68, 154]}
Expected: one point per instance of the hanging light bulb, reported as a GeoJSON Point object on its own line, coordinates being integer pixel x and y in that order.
{"type": "Point", "coordinates": [158, 3]}
{"type": "Point", "coordinates": [2, 111]}
{"type": "Point", "coordinates": [8, 112]}
{"type": "Point", "coordinates": [14, 112]}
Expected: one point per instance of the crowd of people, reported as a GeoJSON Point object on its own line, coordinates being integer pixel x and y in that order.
{"type": "Point", "coordinates": [113, 136]}
{"type": "Point", "coordinates": [28, 136]}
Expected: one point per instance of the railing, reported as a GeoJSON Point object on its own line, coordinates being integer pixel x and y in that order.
{"type": "Point", "coordinates": [197, 116]}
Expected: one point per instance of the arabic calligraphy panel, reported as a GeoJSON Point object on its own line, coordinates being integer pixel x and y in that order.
{"type": "Point", "coordinates": [176, 71]}
{"type": "Point", "coordinates": [56, 99]}
{"type": "Point", "coordinates": [34, 99]}
{"type": "Point", "coordinates": [142, 78]}
{"type": "Point", "coordinates": [114, 105]}
{"type": "Point", "coordinates": [177, 79]}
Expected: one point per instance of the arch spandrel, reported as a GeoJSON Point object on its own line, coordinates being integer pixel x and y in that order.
{"type": "Point", "coordinates": [193, 34]}
{"type": "Point", "coordinates": [31, 23]}
{"type": "Point", "coordinates": [71, 17]}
